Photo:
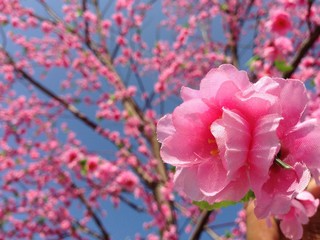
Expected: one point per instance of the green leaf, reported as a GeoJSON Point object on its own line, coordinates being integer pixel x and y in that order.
{"type": "Point", "coordinates": [172, 169]}
{"type": "Point", "coordinates": [79, 13]}
{"type": "Point", "coordinates": [83, 166]}
{"type": "Point", "coordinates": [186, 25]}
{"type": "Point", "coordinates": [183, 65]}
{"type": "Point", "coordinates": [283, 164]}
{"type": "Point", "coordinates": [120, 145]}
{"type": "Point", "coordinates": [228, 234]}
{"type": "Point", "coordinates": [207, 206]}
{"type": "Point", "coordinates": [250, 195]}
{"type": "Point", "coordinates": [41, 220]}
{"type": "Point", "coordinates": [224, 7]}
{"type": "Point", "coordinates": [112, 97]}
{"type": "Point", "coordinates": [282, 66]}
{"type": "Point", "coordinates": [251, 61]}
{"type": "Point", "coordinates": [312, 83]}
{"type": "Point", "coordinates": [69, 29]}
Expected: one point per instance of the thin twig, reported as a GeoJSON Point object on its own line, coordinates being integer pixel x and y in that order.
{"type": "Point", "coordinates": [202, 221]}
{"type": "Point", "coordinates": [95, 217]}
{"type": "Point", "coordinates": [86, 23]}
{"type": "Point", "coordinates": [302, 51]}
{"type": "Point", "coordinates": [87, 230]}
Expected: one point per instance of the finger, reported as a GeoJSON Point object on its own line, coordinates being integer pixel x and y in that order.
{"type": "Point", "coordinates": [314, 189]}
{"type": "Point", "coordinates": [312, 229]}
{"type": "Point", "coordinates": [259, 229]}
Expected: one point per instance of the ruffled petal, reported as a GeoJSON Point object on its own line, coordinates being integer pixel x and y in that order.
{"type": "Point", "coordinates": [185, 149]}
{"type": "Point", "coordinates": [189, 93]}
{"type": "Point", "coordinates": [192, 141]}
{"type": "Point", "coordinates": [185, 179]}
{"type": "Point", "coordinates": [236, 189]}
{"type": "Point", "coordinates": [232, 134]}
{"type": "Point", "coordinates": [293, 100]}
{"type": "Point", "coordinates": [264, 146]}
{"type": "Point", "coordinates": [212, 82]}
{"type": "Point", "coordinates": [212, 177]}
{"type": "Point", "coordinates": [291, 228]}
{"type": "Point", "coordinates": [309, 202]}
{"type": "Point", "coordinates": [194, 116]}
{"type": "Point", "coordinates": [165, 128]}
{"type": "Point", "coordinates": [301, 144]}
{"type": "Point", "coordinates": [276, 194]}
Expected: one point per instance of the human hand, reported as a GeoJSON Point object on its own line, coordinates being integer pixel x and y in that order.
{"type": "Point", "coordinates": [261, 230]}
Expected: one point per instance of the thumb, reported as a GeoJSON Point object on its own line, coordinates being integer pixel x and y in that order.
{"type": "Point", "coordinates": [259, 229]}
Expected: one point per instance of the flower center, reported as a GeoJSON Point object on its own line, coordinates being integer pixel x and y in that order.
{"type": "Point", "coordinates": [215, 150]}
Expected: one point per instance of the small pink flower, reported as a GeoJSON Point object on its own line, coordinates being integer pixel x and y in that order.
{"type": "Point", "coordinates": [279, 22]}
{"type": "Point", "coordinates": [93, 163]}
{"type": "Point", "coordinates": [301, 209]}
{"type": "Point", "coordinates": [65, 225]}
{"type": "Point", "coordinates": [46, 27]}
{"type": "Point", "coordinates": [127, 180]}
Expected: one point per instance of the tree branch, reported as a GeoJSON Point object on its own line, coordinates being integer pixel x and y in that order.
{"type": "Point", "coordinates": [86, 230]}
{"type": "Point", "coordinates": [202, 221]}
{"type": "Point", "coordinates": [302, 51]}
{"type": "Point", "coordinates": [77, 114]}
{"type": "Point", "coordinates": [86, 24]}
{"type": "Point", "coordinates": [95, 217]}
{"type": "Point", "coordinates": [129, 104]}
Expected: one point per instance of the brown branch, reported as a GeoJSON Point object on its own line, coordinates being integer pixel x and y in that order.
{"type": "Point", "coordinates": [202, 221]}
{"type": "Point", "coordinates": [71, 108]}
{"type": "Point", "coordinates": [302, 51]}
{"type": "Point", "coordinates": [86, 230]}
{"type": "Point", "coordinates": [78, 115]}
{"type": "Point", "coordinates": [310, 3]}
{"type": "Point", "coordinates": [131, 204]}
{"type": "Point", "coordinates": [95, 217]}
{"type": "Point", "coordinates": [86, 24]}
{"type": "Point", "coordinates": [132, 107]}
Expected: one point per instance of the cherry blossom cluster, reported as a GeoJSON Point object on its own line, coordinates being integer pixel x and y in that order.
{"type": "Point", "coordinates": [231, 137]}
{"type": "Point", "coordinates": [78, 73]}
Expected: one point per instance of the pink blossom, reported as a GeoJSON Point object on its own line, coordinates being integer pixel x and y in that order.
{"type": "Point", "coordinates": [93, 163]}
{"type": "Point", "coordinates": [127, 180]}
{"type": "Point", "coordinates": [89, 16]}
{"type": "Point", "coordinates": [299, 150]}
{"type": "Point", "coordinates": [279, 22]}
{"type": "Point", "coordinates": [65, 224]}
{"type": "Point", "coordinates": [301, 209]}
{"type": "Point", "coordinates": [210, 163]}
{"type": "Point", "coordinates": [283, 45]}
{"type": "Point", "coordinates": [230, 136]}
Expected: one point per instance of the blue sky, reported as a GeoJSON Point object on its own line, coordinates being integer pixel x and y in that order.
{"type": "Point", "coordinates": [122, 222]}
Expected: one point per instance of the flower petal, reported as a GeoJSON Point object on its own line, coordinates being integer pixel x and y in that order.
{"type": "Point", "coordinates": [185, 179]}
{"type": "Point", "coordinates": [212, 82]}
{"type": "Point", "coordinates": [234, 139]}
{"type": "Point", "coordinates": [264, 146]}
{"type": "Point", "coordinates": [301, 144]}
{"type": "Point", "coordinates": [291, 228]}
{"type": "Point", "coordinates": [165, 128]}
{"type": "Point", "coordinates": [212, 177]}
{"type": "Point", "coordinates": [293, 100]}
{"type": "Point", "coordinates": [189, 93]}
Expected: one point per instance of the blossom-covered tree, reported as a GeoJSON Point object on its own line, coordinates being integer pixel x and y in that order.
{"type": "Point", "coordinates": [114, 68]}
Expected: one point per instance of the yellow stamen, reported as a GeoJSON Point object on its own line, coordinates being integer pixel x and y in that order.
{"type": "Point", "coordinates": [214, 152]}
